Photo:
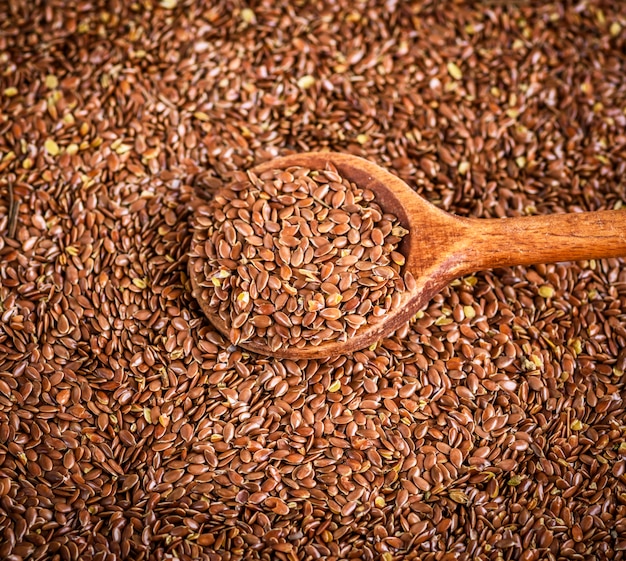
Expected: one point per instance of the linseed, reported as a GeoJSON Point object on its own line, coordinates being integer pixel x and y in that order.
{"type": "Point", "coordinates": [296, 257]}
{"type": "Point", "coordinates": [491, 427]}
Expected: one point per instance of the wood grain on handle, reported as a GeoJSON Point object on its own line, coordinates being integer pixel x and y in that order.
{"type": "Point", "coordinates": [552, 238]}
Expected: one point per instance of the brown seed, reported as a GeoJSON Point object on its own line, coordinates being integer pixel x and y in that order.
{"type": "Point", "coordinates": [240, 288]}
{"type": "Point", "coordinates": [125, 417]}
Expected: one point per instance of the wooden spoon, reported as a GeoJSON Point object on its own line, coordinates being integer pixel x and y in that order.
{"type": "Point", "coordinates": [441, 247]}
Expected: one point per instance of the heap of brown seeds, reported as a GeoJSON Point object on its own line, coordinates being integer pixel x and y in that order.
{"type": "Point", "coordinates": [295, 257]}
{"type": "Point", "coordinates": [490, 428]}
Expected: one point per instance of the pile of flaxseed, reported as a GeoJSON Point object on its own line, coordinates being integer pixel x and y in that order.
{"type": "Point", "coordinates": [296, 257]}
{"type": "Point", "coordinates": [493, 427]}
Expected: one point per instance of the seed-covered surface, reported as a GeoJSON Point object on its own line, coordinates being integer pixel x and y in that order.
{"type": "Point", "coordinates": [492, 427]}
{"type": "Point", "coordinates": [296, 257]}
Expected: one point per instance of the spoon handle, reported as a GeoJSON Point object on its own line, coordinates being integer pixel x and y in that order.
{"type": "Point", "coordinates": [550, 238]}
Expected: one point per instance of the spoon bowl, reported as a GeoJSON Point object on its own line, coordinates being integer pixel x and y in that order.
{"type": "Point", "coordinates": [441, 247]}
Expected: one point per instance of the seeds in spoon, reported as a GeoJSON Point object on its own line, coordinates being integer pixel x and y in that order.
{"type": "Point", "coordinates": [296, 256]}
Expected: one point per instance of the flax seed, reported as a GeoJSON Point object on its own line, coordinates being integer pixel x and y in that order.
{"type": "Point", "coordinates": [237, 289]}
{"type": "Point", "coordinates": [489, 427]}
